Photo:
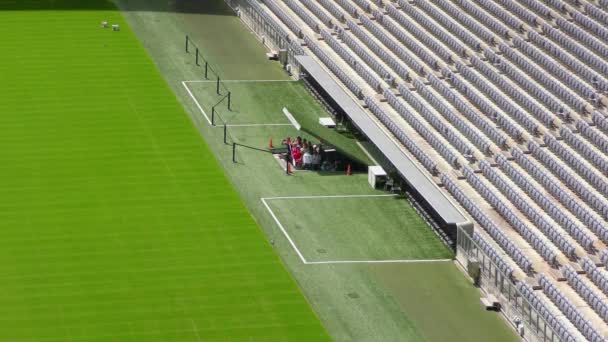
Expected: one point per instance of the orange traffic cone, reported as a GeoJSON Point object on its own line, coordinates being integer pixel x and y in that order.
{"type": "Point", "coordinates": [348, 173]}
{"type": "Point", "coordinates": [270, 143]}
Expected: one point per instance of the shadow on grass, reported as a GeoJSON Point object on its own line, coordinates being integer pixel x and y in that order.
{"type": "Point", "coordinates": [211, 7]}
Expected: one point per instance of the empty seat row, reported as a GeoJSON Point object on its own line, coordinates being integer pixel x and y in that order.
{"type": "Point", "coordinates": [456, 28]}
{"type": "Point", "coordinates": [412, 146]}
{"type": "Point", "coordinates": [489, 226]}
{"type": "Point", "coordinates": [555, 188]}
{"type": "Point", "coordinates": [596, 300]}
{"type": "Point", "coordinates": [277, 28]}
{"type": "Point", "coordinates": [604, 257]}
{"type": "Point", "coordinates": [348, 7]}
{"type": "Point", "coordinates": [582, 36]}
{"type": "Point", "coordinates": [286, 19]}
{"type": "Point", "coordinates": [332, 8]}
{"type": "Point", "coordinates": [592, 134]}
{"type": "Point", "coordinates": [520, 11]}
{"type": "Point", "coordinates": [348, 57]}
{"type": "Point", "coordinates": [582, 53]}
{"type": "Point", "coordinates": [521, 179]}
{"type": "Point", "coordinates": [484, 105]}
{"type": "Point", "coordinates": [498, 137]}
{"type": "Point", "coordinates": [600, 121]}
{"type": "Point", "coordinates": [518, 95]}
{"type": "Point", "coordinates": [428, 135]}
{"type": "Point", "coordinates": [501, 100]}
{"type": "Point", "coordinates": [539, 8]}
{"type": "Point", "coordinates": [543, 248]}
{"type": "Point", "coordinates": [541, 76]}
{"type": "Point", "coordinates": [365, 4]}
{"type": "Point", "coordinates": [541, 308]}
{"type": "Point", "coordinates": [441, 127]}
{"type": "Point", "coordinates": [556, 69]}
{"type": "Point", "coordinates": [316, 10]}
{"type": "Point", "coordinates": [599, 278]}
{"type": "Point", "coordinates": [574, 64]}
{"type": "Point", "coordinates": [300, 12]}
{"type": "Point", "coordinates": [421, 35]}
{"type": "Point", "coordinates": [399, 33]}
{"type": "Point", "coordinates": [574, 160]}
{"type": "Point", "coordinates": [542, 95]}
{"type": "Point", "coordinates": [571, 312]}
{"type": "Point", "coordinates": [395, 47]}
{"type": "Point", "coordinates": [591, 154]}
{"type": "Point", "coordinates": [423, 20]}
{"type": "Point", "coordinates": [522, 203]}
{"type": "Point", "coordinates": [492, 253]}
{"type": "Point", "coordinates": [353, 43]}
{"type": "Point", "coordinates": [590, 196]}
{"type": "Point", "coordinates": [334, 67]}
{"type": "Point", "coordinates": [599, 29]}
{"type": "Point", "coordinates": [484, 18]}
{"type": "Point", "coordinates": [596, 13]}
{"type": "Point", "coordinates": [371, 43]}
{"type": "Point", "coordinates": [456, 120]}
{"type": "Point", "coordinates": [502, 14]}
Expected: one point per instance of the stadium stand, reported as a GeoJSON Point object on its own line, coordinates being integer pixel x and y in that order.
{"type": "Point", "coordinates": [503, 105]}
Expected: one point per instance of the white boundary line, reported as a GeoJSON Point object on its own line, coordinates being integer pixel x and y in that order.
{"type": "Point", "coordinates": [200, 108]}
{"type": "Point", "coordinates": [336, 262]}
{"type": "Point", "coordinates": [239, 81]}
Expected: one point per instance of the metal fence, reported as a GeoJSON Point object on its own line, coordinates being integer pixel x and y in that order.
{"type": "Point", "coordinates": [516, 308]}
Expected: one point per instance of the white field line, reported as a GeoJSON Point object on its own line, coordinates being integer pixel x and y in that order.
{"type": "Point", "coordinates": [239, 81]}
{"type": "Point", "coordinates": [327, 196]}
{"type": "Point", "coordinates": [284, 231]}
{"type": "Point", "coordinates": [367, 153]}
{"type": "Point", "coordinates": [196, 102]}
{"type": "Point", "coordinates": [198, 337]}
{"type": "Point", "coordinates": [337, 262]}
{"type": "Point", "coordinates": [200, 108]}
{"type": "Point", "coordinates": [392, 261]}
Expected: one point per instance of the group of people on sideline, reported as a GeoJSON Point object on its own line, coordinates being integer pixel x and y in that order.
{"type": "Point", "coordinates": [303, 154]}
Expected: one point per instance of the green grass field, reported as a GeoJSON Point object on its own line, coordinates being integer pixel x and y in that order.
{"type": "Point", "coordinates": [367, 229]}
{"type": "Point", "coordinates": [116, 222]}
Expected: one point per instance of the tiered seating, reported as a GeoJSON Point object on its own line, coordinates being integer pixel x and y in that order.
{"type": "Point", "coordinates": [590, 295]}
{"type": "Point", "coordinates": [597, 13]}
{"type": "Point", "coordinates": [398, 132]}
{"type": "Point", "coordinates": [405, 39]}
{"type": "Point", "coordinates": [499, 138]}
{"type": "Point", "coordinates": [437, 30]}
{"type": "Point", "coordinates": [460, 144]}
{"type": "Point", "coordinates": [305, 16]}
{"type": "Point", "coordinates": [596, 180]}
{"type": "Point", "coordinates": [462, 125]}
{"type": "Point", "coordinates": [371, 43]}
{"type": "Point", "coordinates": [395, 47]}
{"type": "Point", "coordinates": [543, 248]}
{"type": "Point", "coordinates": [582, 36]}
{"type": "Point", "coordinates": [599, 278]}
{"type": "Point", "coordinates": [589, 196]}
{"type": "Point", "coordinates": [331, 7]}
{"type": "Point", "coordinates": [554, 187]}
{"type": "Point", "coordinates": [594, 135]}
{"type": "Point", "coordinates": [579, 234]}
{"type": "Point", "coordinates": [491, 252]}
{"type": "Point", "coordinates": [579, 321]}
{"type": "Point", "coordinates": [502, 14]}
{"type": "Point", "coordinates": [353, 43]}
{"type": "Point", "coordinates": [349, 7]}
{"type": "Point", "coordinates": [483, 17]}
{"type": "Point", "coordinates": [591, 154]}
{"type": "Point", "coordinates": [548, 228]}
{"type": "Point", "coordinates": [289, 22]}
{"type": "Point", "coordinates": [424, 131]}
{"type": "Point", "coordinates": [489, 226]}
{"type": "Point", "coordinates": [589, 24]}
{"type": "Point", "coordinates": [316, 10]}
{"type": "Point", "coordinates": [537, 303]}
{"type": "Point", "coordinates": [568, 60]}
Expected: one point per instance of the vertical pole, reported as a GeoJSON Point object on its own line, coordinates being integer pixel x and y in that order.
{"type": "Point", "coordinates": [229, 101]}
{"type": "Point", "coordinates": [225, 134]}
{"type": "Point", "coordinates": [218, 86]}
{"type": "Point", "coordinates": [197, 57]}
{"type": "Point", "coordinates": [187, 39]}
{"type": "Point", "coordinates": [212, 116]}
{"type": "Point", "coordinates": [234, 152]}
{"type": "Point", "coordinates": [206, 70]}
